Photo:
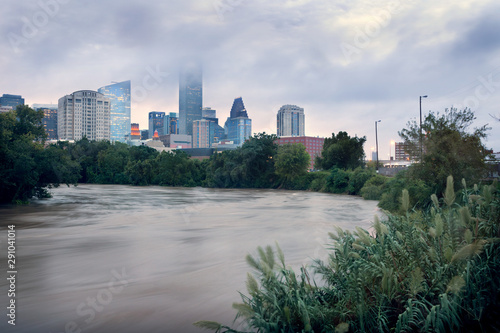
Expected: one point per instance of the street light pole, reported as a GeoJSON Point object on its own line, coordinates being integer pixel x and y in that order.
{"type": "Point", "coordinates": [376, 143]}
{"type": "Point", "coordinates": [421, 144]}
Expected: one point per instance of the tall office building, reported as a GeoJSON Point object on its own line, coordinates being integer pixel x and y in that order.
{"type": "Point", "coordinates": [156, 123]}
{"type": "Point", "coordinates": [401, 152]}
{"type": "Point", "coordinates": [216, 132]}
{"type": "Point", "coordinates": [171, 123]}
{"type": "Point", "coordinates": [49, 119]}
{"type": "Point", "coordinates": [119, 96]}
{"type": "Point", "coordinates": [238, 126]}
{"type": "Point", "coordinates": [135, 133]}
{"type": "Point", "coordinates": [84, 113]}
{"type": "Point", "coordinates": [290, 121]}
{"type": "Point", "coordinates": [190, 97]}
{"type": "Point", "coordinates": [11, 100]}
{"type": "Point", "coordinates": [208, 112]}
{"type": "Point", "coordinates": [201, 133]}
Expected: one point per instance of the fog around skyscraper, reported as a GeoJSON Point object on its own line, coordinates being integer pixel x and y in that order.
{"type": "Point", "coordinates": [346, 63]}
{"type": "Point", "coordinates": [190, 96]}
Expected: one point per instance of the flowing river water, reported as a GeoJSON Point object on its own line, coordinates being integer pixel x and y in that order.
{"type": "Point", "coordinates": [107, 258]}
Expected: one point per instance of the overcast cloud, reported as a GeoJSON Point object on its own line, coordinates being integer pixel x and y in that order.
{"type": "Point", "coordinates": [347, 63]}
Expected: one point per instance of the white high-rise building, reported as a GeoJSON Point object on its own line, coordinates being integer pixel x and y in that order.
{"type": "Point", "coordinates": [290, 121]}
{"type": "Point", "coordinates": [84, 113]}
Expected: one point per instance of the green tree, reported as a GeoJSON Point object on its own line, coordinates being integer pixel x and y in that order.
{"type": "Point", "coordinates": [111, 164]}
{"type": "Point", "coordinates": [85, 153]}
{"type": "Point", "coordinates": [341, 151]}
{"type": "Point", "coordinates": [26, 167]}
{"type": "Point", "coordinates": [449, 148]}
{"type": "Point", "coordinates": [176, 169]}
{"type": "Point", "coordinates": [291, 161]}
{"type": "Point", "coordinates": [251, 165]}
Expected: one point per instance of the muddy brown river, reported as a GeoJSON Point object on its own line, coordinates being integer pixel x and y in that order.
{"type": "Point", "coordinates": [108, 258]}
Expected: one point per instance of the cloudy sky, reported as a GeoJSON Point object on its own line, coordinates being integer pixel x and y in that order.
{"type": "Point", "coordinates": [347, 63]}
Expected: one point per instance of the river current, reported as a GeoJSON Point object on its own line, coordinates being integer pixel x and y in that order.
{"type": "Point", "coordinates": [108, 258]}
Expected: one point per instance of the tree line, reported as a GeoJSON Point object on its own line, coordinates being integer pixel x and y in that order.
{"type": "Point", "coordinates": [29, 167]}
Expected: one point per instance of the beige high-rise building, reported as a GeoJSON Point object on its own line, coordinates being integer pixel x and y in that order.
{"type": "Point", "coordinates": [290, 121]}
{"type": "Point", "coordinates": [84, 113]}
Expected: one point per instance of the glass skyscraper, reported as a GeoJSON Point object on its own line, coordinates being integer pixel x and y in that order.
{"type": "Point", "coordinates": [156, 123]}
{"type": "Point", "coordinates": [119, 95]}
{"type": "Point", "coordinates": [238, 126]}
{"type": "Point", "coordinates": [11, 100]}
{"type": "Point", "coordinates": [190, 97]}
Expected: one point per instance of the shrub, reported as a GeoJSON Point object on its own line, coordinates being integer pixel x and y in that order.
{"type": "Point", "coordinates": [319, 181]}
{"type": "Point", "coordinates": [423, 271]}
{"type": "Point", "coordinates": [371, 192]}
{"type": "Point", "coordinates": [357, 180]}
{"type": "Point", "coordinates": [338, 181]}
{"type": "Point", "coordinates": [374, 187]}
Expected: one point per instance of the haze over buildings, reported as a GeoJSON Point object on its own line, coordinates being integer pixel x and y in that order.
{"type": "Point", "coordinates": [190, 96]}
{"type": "Point", "coordinates": [347, 63]}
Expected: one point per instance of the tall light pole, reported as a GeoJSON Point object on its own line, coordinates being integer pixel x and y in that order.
{"type": "Point", "coordinates": [376, 143]}
{"type": "Point", "coordinates": [421, 144]}
{"type": "Point", "coordinates": [390, 151]}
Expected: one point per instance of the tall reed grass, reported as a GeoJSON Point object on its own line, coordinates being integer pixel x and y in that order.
{"type": "Point", "coordinates": [432, 271]}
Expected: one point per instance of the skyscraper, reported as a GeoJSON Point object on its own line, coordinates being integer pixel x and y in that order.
{"type": "Point", "coordinates": [190, 97]}
{"type": "Point", "coordinates": [119, 96]}
{"type": "Point", "coordinates": [156, 123]}
{"type": "Point", "coordinates": [171, 123]}
{"type": "Point", "coordinates": [49, 119]}
{"type": "Point", "coordinates": [216, 131]}
{"type": "Point", "coordinates": [84, 113]}
{"type": "Point", "coordinates": [135, 133]}
{"type": "Point", "coordinates": [11, 100]}
{"type": "Point", "coordinates": [290, 121]}
{"type": "Point", "coordinates": [238, 126]}
{"type": "Point", "coordinates": [201, 133]}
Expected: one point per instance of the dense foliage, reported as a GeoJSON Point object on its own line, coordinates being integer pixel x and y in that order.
{"type": "Point", "coordinates": [26, 167]}
{"type": "Point", "coordinates": [423, 271]}
{"type": "Point", "coordinates": [291, 162]}
{"type": "Point", "coordinates": [449, 147]}
{"type": "Point", "coordinates": [250, 165]}
{"type": "Point", "coordinates": [341, 151]}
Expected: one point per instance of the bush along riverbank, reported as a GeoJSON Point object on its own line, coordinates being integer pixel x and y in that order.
{"type": "Point", "coordinates": [433, 270]}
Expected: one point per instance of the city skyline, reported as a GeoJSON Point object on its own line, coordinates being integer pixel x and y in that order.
{"type": "Point", "coordinates": [347, 64]}
{"type": "Point", "coordinates": [119, 95]}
